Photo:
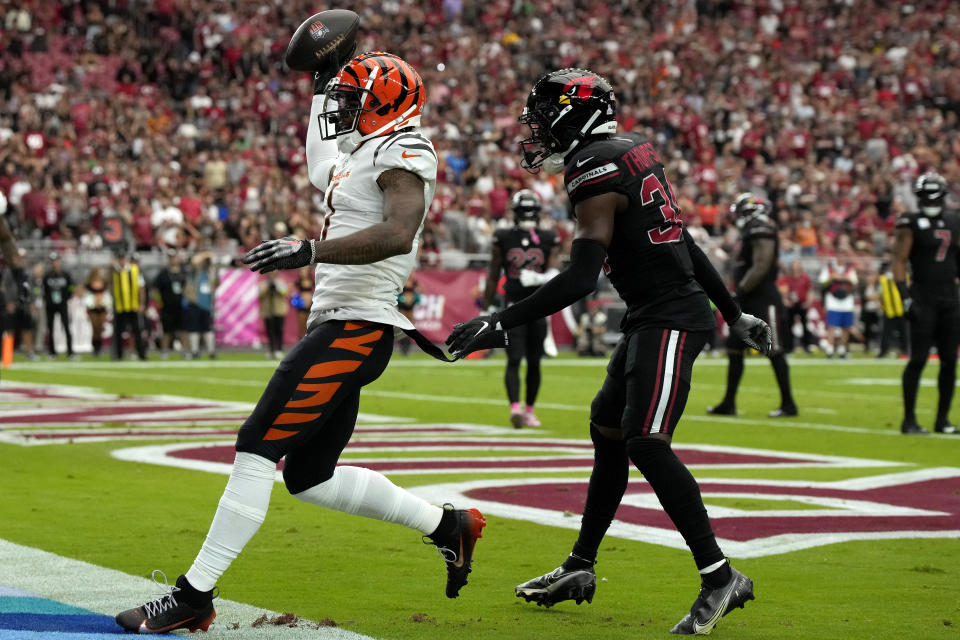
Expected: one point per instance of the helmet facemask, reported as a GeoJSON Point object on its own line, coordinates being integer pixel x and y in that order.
{"type": "Point", "coordinates": [375, 94]}
{"type": "Point", "coordinates": [931, 192]}
{"type": "Point", "coordinates": [526, 208]}
{"type": "Point", "coordinates": [544, 147]}
{"type": "Point", "coordinates": [342, 109]}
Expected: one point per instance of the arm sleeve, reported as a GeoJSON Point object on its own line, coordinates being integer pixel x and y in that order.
{"type": "Point", "coordinates": [712, 283]}
{"type": "Point", "coordinates": [571, 284]}
{"type": "Point", "coordinates": [321, 154]}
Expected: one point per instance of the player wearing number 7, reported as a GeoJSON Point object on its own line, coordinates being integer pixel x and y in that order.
{"type": "Point", "coordinates": [628, 223]}
{"type": "Point", "coordinates": [928, 240]}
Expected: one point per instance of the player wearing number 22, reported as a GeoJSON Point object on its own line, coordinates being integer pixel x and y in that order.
{"type": "Point", "coordinates": [928, 240]}
{"type": "Point", "coordinates": [629, 224]}
{"type": "Point", "coordinates": [365, 150]}
{"type": "Point", "coordinates": [527, 254]}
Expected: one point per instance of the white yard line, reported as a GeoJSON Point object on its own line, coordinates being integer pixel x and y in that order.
{"type": "Point", "coordinates": [108, 591]}
{"type": "Point", "coordinates": [470, 400]}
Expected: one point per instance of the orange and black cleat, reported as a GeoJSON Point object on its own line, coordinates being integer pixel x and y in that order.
{"type": "Point", "coordinates": [170, 611]}
{"type": "Point", "coordinates": [457, 549]}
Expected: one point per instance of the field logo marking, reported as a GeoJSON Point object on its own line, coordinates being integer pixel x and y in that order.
{"type": "Point", "coordinates": [909, 504]}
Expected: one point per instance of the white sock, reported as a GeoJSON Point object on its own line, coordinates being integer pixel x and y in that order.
{"type": "Point", "coordinates": [363, 492]}
{"type": "Point", "coordinates": [240, 513]}
{"type": "Point", "coordinates": [194, 342]}
{"type": "Point", "coordinates": [716, 565]}
{"type": "Point", "coordinates": [208, 340]}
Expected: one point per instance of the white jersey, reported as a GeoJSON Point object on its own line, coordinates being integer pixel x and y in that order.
{"type": "Point", "coordinates": [354, 201]}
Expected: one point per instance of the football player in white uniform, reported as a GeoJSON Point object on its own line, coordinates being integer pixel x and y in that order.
{"type": "Point", "coordinates": [378, 172]}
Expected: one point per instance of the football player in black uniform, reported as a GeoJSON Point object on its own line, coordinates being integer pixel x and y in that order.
{"type": "Point", "coordinates": [527, 255]}
{"type": "Point", "coordinates": [629, 224]}
{"type": "Point", "coordinates": [928, 240]}
{"type": "Point", "coordinates": [10, 255]}
{"type": "Point", "coordinates": [755, 281]}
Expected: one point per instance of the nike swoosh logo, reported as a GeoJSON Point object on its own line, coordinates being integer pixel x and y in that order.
{"type": "Point", "coordinates": [410, 155]}
{"type": "Point", "coordinates": [584, 161]}
{"type": "Point", "coordinates": [482, 329]}
{"type": "Point", "coordinates": [709, 624]}
{"type": "Point", "coordinates": [459, 563]}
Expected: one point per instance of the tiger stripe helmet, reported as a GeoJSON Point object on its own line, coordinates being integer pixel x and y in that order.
{"type": "Point", "coordinates": [373, 95]}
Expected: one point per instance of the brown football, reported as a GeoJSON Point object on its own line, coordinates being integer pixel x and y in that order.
{"type": "Point", "coordinates": [324, 39]}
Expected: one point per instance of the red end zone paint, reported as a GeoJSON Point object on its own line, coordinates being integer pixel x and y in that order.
{"type": "Point", "coordinates": [934, 495]}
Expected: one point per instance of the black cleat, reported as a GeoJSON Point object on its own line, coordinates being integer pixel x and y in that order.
{"type": "Point", "coordinates": [457, 550]}
{"type": "Point", "coordinates": [911, 428]}
{"type": "Point", "coordinates": [784, 412]}
{"type": "Point", "coordinates": [559, 585]}
{"type": "Point", "coordinates": [713, 604]}
{"type": "Point", "coordinates": [722, 409]}
{"type": "Point", "coordinates": [946, 427]}
{"type": "Point", "coordinates": [167, 612]}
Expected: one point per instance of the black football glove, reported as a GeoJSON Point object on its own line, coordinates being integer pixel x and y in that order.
{"type": "Point", "coordinates": [483, 332]}
{"type": "Point", "coordinates": [24, 290]}
{"type": "Point", "coordinates": [285, 253]}
{"type": "Point", "coordinates": [322, 78]}
{"type": "Point", "coordinates": [909, 306]}
{"type": "Point", "coordinates": [754, 332]}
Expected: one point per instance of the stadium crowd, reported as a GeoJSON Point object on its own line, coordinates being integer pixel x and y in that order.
{"type": "Point", "coordinates": [172, 124]}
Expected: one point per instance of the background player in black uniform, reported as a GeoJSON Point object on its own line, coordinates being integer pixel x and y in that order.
{"type": "Point", "coordinates": [628, 223]}
{"type": "Point", "coordinates": [755, 282]}
{"type": "Point", "coordinates": [57, 289]}
{"type": "Point", "coordinates": [527, 255]}
{"type": "Point", "coordinates": [928, 240]}
{"type": "Point", "coordinates": [10, 255]}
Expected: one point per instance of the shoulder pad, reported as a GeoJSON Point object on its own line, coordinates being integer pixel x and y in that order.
{"type": "Point", "coordinates": [905, 221]}
{"type": "Point", "coordinates": [409, 150]}
{"type": "Point", "coordinates": [760, 226]}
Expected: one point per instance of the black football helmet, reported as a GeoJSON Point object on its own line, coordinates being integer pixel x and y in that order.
{"type": "Point", "coordinates": [931, 191]}
{"type": "Point", "coordinates": [747, 207]}
{"type": "Point", "coordinates": [565, 108]}
{"type": "Point", "coordinates": [526, 207]}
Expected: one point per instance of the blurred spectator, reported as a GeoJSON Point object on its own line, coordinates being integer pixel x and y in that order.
{"type": "Point", "coordinates": [302, 298]}
{"type": "Point", "coordinates": [407, 301]}
{"type": "Point", "coordinates": [591, 330]}
{"type": "Point", "coordinates": [168, 287]}
{"type": "Point", "coordinates": [97, 300]}
{"type": "Point", "coordinates": [870, 307]}
{"type": "Point", "coordinates": [839, 284]}
{"type": "Point", "coordinates": [795, 287]}
{"type": "Point", "coordinates": [274, 305]}
{"type": "Point", "coordinates": [57, 289]}
{"type": "Point", "coordinates": [198, 304]}
{"type": "Point", "coordinates": [129, 300]}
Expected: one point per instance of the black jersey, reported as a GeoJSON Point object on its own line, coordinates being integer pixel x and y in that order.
{"type": "Point", "coordinates": [523, 249]}
{"type": "Point", "coordinates": [648, 261]}
{"type": "Point", "coordinates": [933, 256]}
{"type": "Point", "coordinates": [758, 227]}
{"type": "Point", "coordinates": [170, 285]}
{"type": "Point", "coordinates": [56, 288]}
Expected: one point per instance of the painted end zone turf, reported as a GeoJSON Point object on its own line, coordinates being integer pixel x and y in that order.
{"type": "Point", "coordinates": [72, 593]}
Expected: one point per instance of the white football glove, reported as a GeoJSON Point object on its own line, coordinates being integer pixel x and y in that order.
{"type": "Point", "coordinates": [3, 204]}
{"type": "Point", "coordinates": [530, 278]}
{"type": "Point", "coordinates": [754, 332]}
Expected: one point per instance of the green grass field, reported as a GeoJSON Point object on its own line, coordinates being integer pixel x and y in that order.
{"type": "Point", "coordinates": [378, 579]}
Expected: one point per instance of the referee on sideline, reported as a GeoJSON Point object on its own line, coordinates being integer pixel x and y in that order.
{"type": "Point", "coordinates": [128, 300]}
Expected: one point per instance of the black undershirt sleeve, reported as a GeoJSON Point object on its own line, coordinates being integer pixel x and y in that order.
{"type": "Point", "coordinates": [712, 283]}
{"type": "Point", "coordinates": [568, 286]}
